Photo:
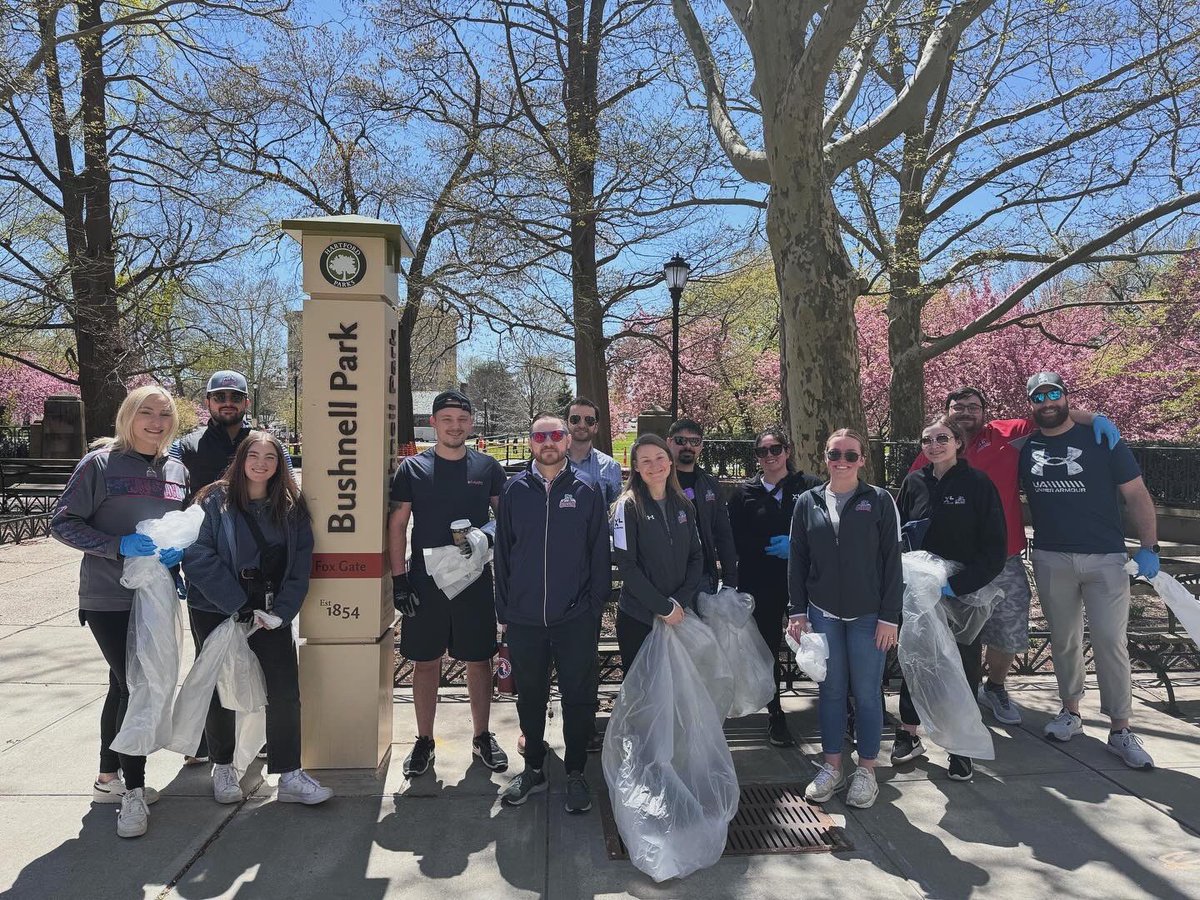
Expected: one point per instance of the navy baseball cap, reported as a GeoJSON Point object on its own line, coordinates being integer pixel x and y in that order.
{"type": "Point", "coordinates": [451, 400]}
{"type": "Point", "coordinates": [227, 381]}
{"type": "Point", "coordinates": [1044, 380]}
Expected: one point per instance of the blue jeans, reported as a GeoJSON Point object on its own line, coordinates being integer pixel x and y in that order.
{"type": "Point", "coordinates": [855, 665]}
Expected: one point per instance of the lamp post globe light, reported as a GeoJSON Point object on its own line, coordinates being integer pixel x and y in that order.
{"type": "Point", "coordinates": [676, 273]}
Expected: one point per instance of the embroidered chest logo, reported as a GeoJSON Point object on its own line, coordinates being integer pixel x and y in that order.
{"type": "Point", "coordinates": [682, 517]}
{"type": "Point", "coordinates": [474, 483]}
{"type": "Point", "coordinates": [1041, 460]}
{"type": "Point", "coordinates": [862, 506]}
{"type": "Point", "coordinates": [567, 502]}
{"type": "Point", "coordinates": [951, 500]}
{"type": "Point", "coordinates": [709, 496]}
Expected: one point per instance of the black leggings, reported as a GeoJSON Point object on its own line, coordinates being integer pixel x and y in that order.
{"type": "Point", "coordinates": [970, 654]}
{"type": "Point", "coordinates": [770, 615]}
{"type": "Point", "coordinates": [631, 634]}
{"type": "Point", "coordinates": [110, 630]}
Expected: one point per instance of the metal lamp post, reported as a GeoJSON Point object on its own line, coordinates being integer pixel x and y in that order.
{"type": "Point", "coordinates": [676, 272]}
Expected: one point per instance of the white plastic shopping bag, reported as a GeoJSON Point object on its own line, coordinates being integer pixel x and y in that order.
{"type": "Point", "coordinates": [667, 765]}
{"type": "Point", "coordinates": [155, 631]}
{"type": "Point", "coordinates": [453, 572]}
{"type": "Point", "coordinates": [1179, 600]}
{"type": "Point", "coordinates": [730, 616]}
{"type": "Point", "coordinates": [811, 652]}
{"type": "Point", "coordinates": [932, 666]}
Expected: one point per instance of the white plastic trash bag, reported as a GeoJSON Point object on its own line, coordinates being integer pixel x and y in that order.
{"type": "Point", "coordinates": [453, 572]}
{"type": "Point", "coordinates": [811, 652]}
{"type": "Point", "coordinates": [227, 664]}
{"type": "Point", "coordinates": [932, 666]}
{"type": "Point", "coordinates": [1179, 600]}
{"type": "Point", "coordinates": [966, 614]}
{"type": "Point", "coordinates": [667, 765]}
{"type": "Point", "coordinates": [730, 616]}
{"type": "Point", "coordinates": [155, 631]}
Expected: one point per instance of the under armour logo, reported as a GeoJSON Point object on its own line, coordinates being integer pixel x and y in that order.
{"type": "Point", "coordinates": [1041, 460]}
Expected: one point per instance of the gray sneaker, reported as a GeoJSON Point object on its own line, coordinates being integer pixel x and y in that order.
{"type": "Point", "coordinates": [827, 783]}
{"type": "Point", "coordinates": [1064, 726]}
{"type": "Point", "coordinates": [530, 781]}
{"type": "Point", "coordinates": [300, 787]}
{"type": "Point", "coordinates": [579, 798]}
{"type": "Point", "coordinates": [863, 789]}
{"type": "Point", "coordinates": [1128, 746]}
{"type": "Point", "coordinates": [226, 788]}
{"type": "Point", "coordinates": [996, 700]}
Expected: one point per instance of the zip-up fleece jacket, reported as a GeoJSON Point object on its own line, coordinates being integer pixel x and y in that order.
{"type": "Point", "coordinates": [551, 552]}
{"type": "Point", "coordinates": [716, 537]}
{"type": "Point", "coordinates": [966, 521]}
{"type": "Point", "coordinates": [855, 572]}
{"type": "Point", "coordinates": [212, 581]}
{"type": "Point", "coordinates": [756, 516]}
{"type": "Point", "coordinates": [110, 491]}
{"type": "Point", "coordinates": [658, 561]}
{"type": "Point", "coordinates": [207, 452]}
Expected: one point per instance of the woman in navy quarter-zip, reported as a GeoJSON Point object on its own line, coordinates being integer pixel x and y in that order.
{"type": "Point", "coordinates": [846, 583]}
{"type": "Point", "coordinates": [953, 511]}
{"type": "Point", "coordinates": [656, 547]}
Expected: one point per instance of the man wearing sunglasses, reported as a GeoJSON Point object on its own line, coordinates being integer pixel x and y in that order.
{"type": "Point", "coordinates": [583, 421]}
{"type": "Point", "coordinates": [993, 447]}
{"type": "Point", "coordinates": [553, 576]}
{"type": "Point", "coordinates": [685, 438]}
{"type": "Point", "coordinates": [1074, 488]}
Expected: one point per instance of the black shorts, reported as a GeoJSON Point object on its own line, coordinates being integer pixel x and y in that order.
{"type": "Point", "coordinates": [466, 625]}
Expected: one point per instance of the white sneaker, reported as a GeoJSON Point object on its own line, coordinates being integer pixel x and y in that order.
{"type": "Point", "coordinates": [863, 789]}
{"type": "Point", "coordinates": [1064, 726]}
{"type": "Point", "coordinates": [133, 818]}
{"type": "Point", "coordinates": [226, 788]}
{"type": "Point", "coordinates": [114, 791]}
{"type": "Point", "coordinates": [827, 783]}
{"type": "Point", "coordinates": [1128, 746]}
{"type": "Point", "coordinates": [300, 787]}
{"type": "Point", "coordinates": [1003, 709]}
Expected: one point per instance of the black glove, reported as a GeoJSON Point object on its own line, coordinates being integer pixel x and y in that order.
{"type": "Point", "coordinates": [404, 598]}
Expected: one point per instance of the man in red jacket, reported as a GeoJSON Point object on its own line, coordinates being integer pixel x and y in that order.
{"type": "Point", "coordinates": [989, 447]}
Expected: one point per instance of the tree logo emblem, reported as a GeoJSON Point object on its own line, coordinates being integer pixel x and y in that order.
{"type": "Point", "coordinates": [343, 264]}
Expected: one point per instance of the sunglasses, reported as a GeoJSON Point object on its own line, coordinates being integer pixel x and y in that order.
{"type": "Point", "coordinates": [590, 420]}
{"type": "Point", "coordinates": [227, 397]}
{"type": "Point", "coordinates": [1042, 396]}
{"type": "Point", "coordinates": [540, 437]}
{"type": "Point", "coordinates": [681, 441]}
{"type": "Point", "coordinates": [851, 456]}
{"type": "Point", "coordinates": [771, 449]}
{"type": "Point", "coordinates": [939, 438]}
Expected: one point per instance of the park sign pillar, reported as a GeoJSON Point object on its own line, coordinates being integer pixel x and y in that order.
{"type": "Point", "coordinates": [349, 332]}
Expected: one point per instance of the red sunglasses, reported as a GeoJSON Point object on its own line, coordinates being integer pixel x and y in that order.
{"type": "Point", "coordinates": [540, 437]}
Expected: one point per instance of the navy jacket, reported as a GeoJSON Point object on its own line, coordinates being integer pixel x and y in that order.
{"type": "Point", "coordinates": [855, 572]}
{"type": "Point", "coordinates": [659, 561]}
{"type": "Point", "coordinates": [212, 582]}
{"type": "Point", "coordinates": [966, 521]}
{"type": "Point", "coordinates": [551, 554]}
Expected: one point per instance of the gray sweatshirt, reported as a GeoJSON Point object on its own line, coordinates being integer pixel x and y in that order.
{"type": "Point", "coordinates": [108, 494]}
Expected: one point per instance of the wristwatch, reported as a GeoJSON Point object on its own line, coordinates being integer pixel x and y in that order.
{"type": "Point", "coordinates": [1153, 548]}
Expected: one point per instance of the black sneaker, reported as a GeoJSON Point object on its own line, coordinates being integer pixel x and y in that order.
{"type": "Point", "coordinates": [906, 746]}
{"type": "Point", "coordinates": [531, 781]}
{"type": "Point", "coordinates": [777, 731]}
{"type": "Point", "coordinates": [961, 768]}
{"type": "Point", "coordinates": [417, 762]}
{"type": "Point", "coordinates": [579, 798]}
{"type": "Point", "coordinates": [485, 747]}
{"type": "Point", "coordinates": [596, 742]}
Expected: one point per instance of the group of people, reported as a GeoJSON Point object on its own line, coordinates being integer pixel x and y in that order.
{"type": "Point", "coordinates": [816, 553]}
{"type": "Point", "coordinates": [251, 560]}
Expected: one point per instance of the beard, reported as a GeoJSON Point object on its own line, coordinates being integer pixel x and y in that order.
{"type": "Point", "coordinates": [548, 456]}
{"type": "Point", "coordinates": [1051, 416]}
{"type": "Point", "coordinates": [687, 457]}
{"type": "Point", "coordinates": [226, 419]}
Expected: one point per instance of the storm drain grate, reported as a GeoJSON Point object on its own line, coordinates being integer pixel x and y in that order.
{"type": "Point", "coordinates": [771, 818]}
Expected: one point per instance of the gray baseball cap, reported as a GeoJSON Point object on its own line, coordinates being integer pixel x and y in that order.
{"type": "Point", "coordinates": [227, 381]}
{"type": "Point", "coordinates": [1044, 380]}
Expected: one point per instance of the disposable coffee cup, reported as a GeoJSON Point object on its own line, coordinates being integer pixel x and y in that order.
{"type": "Point", "coordinates": [458, 531]}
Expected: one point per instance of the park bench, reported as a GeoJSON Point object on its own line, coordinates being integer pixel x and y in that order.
{"type": "Point", "coordinates": [31, 486]}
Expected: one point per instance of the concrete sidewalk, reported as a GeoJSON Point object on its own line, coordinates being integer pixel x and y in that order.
{"type": "Point", "coordinates": [1043, 819]}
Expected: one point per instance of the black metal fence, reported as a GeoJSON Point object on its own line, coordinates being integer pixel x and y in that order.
{"type": "Point", "coordinates": [14, 441]}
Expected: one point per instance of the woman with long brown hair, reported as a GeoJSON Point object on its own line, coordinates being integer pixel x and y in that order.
{"type": "Point", "coordinates": [656, 547]}
{"type": "Point", "coordinates": [252, 561]}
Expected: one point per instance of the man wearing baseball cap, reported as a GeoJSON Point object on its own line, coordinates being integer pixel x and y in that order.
{"type": "Point", "coordinates": [1074, 487]}
{"type": "Point", "coordinates": [441, 485]}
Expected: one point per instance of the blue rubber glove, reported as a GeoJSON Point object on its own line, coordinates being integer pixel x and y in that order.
{"type": "Point", "coordinates": [780, 546]}
{"type": "Point", "coordinates": [948, 591]}
{"type": "Point", "coordinates": [137, 545]}
{"type": "Point", "coordinates": [170, 557]}
{"type": "Point", "coordinates": [1104, 430]}
{"type": "Point", "coordinates": [1147, 563]}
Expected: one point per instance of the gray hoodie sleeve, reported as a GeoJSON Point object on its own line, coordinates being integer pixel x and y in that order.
{"type": "Point", "coordinates": [70, 523]}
